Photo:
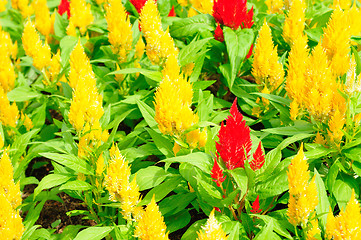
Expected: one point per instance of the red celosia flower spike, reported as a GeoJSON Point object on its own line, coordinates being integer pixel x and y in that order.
{"type": "Point", "coordinates": [234, 140]}
{"type": "Point", "coordinates": [217, 174]}
{"type": "Point", "coordinates": [233, 13]}
{"type": "Point", "coordinates": [172, 12]}
{"type": "Point", "coordinates": [218, 34]}
{"type": "Point", "coordinates": [63, 7]}
{"type": "Point", "coordinates": [258, 158]}
{"type": "Point", "coordinates": [250, 52]}
{"type": "Point", "coordinates": [255, 206]}
{"type": "Point", "coordinates": [138, 4]}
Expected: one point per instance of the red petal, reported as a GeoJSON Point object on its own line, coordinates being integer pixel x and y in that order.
{"type": "Point", "coordinates": [234, 140]}
{"type": "Point", "coordinates": [250, 52]}
{"type": "Point", "coordinates": [258, 158]}
{"type": "Point", "coordinates": [218, 33]}
{"type": "Point", "coordinates": [217, 174]}
{"type": "Point", "coordinates": [172, 12]}
{"type": "Point", "coordinates": [63, 7]}
{"type": "Point", "coordinates": [255, 206]}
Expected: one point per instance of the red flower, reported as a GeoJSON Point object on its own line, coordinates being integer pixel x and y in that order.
{"type": "Point", "coordinates": [218, 34]}
{"type": "Point", "coordinates": [250, 52]}
{"type": "Point", "coordinates": [255, 206]}
{"type": "Point", "coordinates": [234, 140]}
{"type": "Point", "coordinates": [217, 209]}
{"type": "Point", "coordinates": [138, 4]}
{"type": "Point", "coordinates": [258, 158]}
{"type": "Point", "coordinates": [217, 174]}
{"type": "Point", "coordinates": [233, 13]}
{"type": "Point", "coordinates": [172, 12]}
{"type": "Point", "coordinates": [63, 7]}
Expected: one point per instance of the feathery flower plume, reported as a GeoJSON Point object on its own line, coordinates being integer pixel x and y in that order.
{"type": "Point", "coordinates": [81, 15]}
{"type": "Point", "coordinates": [217, 173]}
{"type": "Point", "coordinates": [258, 158]}
{"type": "Point", "coordinates": [23, 6]}
{"type": "Point", "coordinates": [6, 44]}
{"type": "Point", "coordinates": [55, 66]}
{"type": "Point", "coordinates": [303, 194]}
{"type": "Point", "coordinates": [33, 46]}
{"type": "Point", "coordinates": [234, 140]}
{"type": "Point", "coordinates": [313, 230]}
{"type": "Point", "coordinates": [336, 41]}
{"type": "Point", "coordinates": [120, 29]}
{"type": "Point", "coordinates": [63, 7]}
{"type": "Point", "coordinates": [42, 17]}
{"type": "Point", "coordinates": [294, 22]}
{"type": "Point", "coordinates": [173, 99]}
{"type": "Point", "coordinates": [7, 72]}
{"type": "Point", "coordinates": [160, 44]}
{"type": "Point", "coordinates": [27, 122]}
{"type": "Point", "coordinates": [151, 225]}
{"type": "Point", "coordinates": [212, 230]}
{"type": "Point", "coordinates": [347, 224]}
{"type": "Point", "coordinates": [138, 4]}
{"type": "Point", "coordinates": [9, 114]}
{"type": "Point", "coordinates": [139, 48]}
{"type": "Point", "coordinates": [354, 20]}
{"type": "Point", "coordinates": [274, 6]}
{"type": "Point", "coordinates": [218, 33]}
{"type": "Point", "coordinates": [295, 81]}
{"type": "Point", "coordinates": [335, 125]}
{"type": "Point", "coordinates": [183, 3]}
{"type": "Point", "coordinates": [255, 206]}
{"type": "Point", "coordinates": [343, 4]}
{"type": "Point", "coordinates": [3, 5]}
{"type": "Point", "coordinates": [233, 13]}
{"type": "Point", "coordinates": [203, 6]}
{"type": "Point", "coordinates": [10, 220]}
{"type": "Point", "coordinates": [118, 184]}
{"type": "Point", "coordinates": [266, 68]}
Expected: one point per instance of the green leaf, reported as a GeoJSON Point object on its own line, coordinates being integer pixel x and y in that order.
{"type": "Point", "coordinates": [356, 166]}
{"type": "Point", "coordinates": [154, 75]}
{"type": "Point", "coordinates": [240, 176]}
{"type": "Point", "coordinates": [177, 221]}
{"type": "Point", "coordinates": [238, 44]}
{"type": "Point", "coordinates": [76, 185]}
{"type": "Point", "coordinates": [162, 190]}
{"type": "Point", "coordinates": [342, 192]}
{"type": "Point", "coordinates": [274, 98]}
{"type": "Point", "coordinates": [176, 203]}
{"type": "Point", "coordinates": [93, 233]}
{"type": "Point", "coordinates": [150, 177]}
{"type": "Point", "coordinates": [22, 94]}
{"type": "Point", "coordinates": [187, 27]}
{"type": "Point", "coordinates": [49, 181]}
{"type": "Point", "coordinates": [323, 204]}
{"type": "Point", "coordinates": [163, 143]}
{"type": "Point", "coordinates": [70, 161]}
{"type": "Point", "coordinates": [21, 143]}
{"type": "Point", "coordinates": [285, 143]}
{"type": "Point", "coordinates": [190, 52]}
{"type": "Point", "coordinates": [199, 159]}
{"type": "Point", "coordinates": [266, 231]}
{"type": "Point", "coordinates": [298, 128]}
{"type": "Point", "coordinates": [148, 113]}
{"type": "Point", "coordinates": [277, 226]}
{"type": "Point", "coordinates": [332, 175]}
{"type": "Point", "coordinates": [191, 232]}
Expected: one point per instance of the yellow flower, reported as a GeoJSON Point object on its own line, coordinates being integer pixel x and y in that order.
{"type": "Point", "coordinates": [192, 12]}
{"type": "Point", "coordinates": [23, 6]}
{"type": "Point", "coordinates": [313, 231]}
{"type": "Point", "coordinates": [347, 224]}
{"type": "Point", "coordinates": [204, 6]}
{"type": "Point", "coordinates": [7, 72]}
{"type": "Point", "coordinates": [81, 15]}
{"type": "Point", "coordinates": [319, 139]}
{"type": "Point", "coordinates": [294, 110]}
{"type": "Point", "coordinates": [354, 20]}
{"type": "Point", "coordinates": [303, 194]}
{"type": "Point", "coordinates": [27, 122]}
{"type": "Point", "coordinates": [173, 99]}
{"type": "Point", "coordinates": [336, 41]}
{"type": "Point", "coordinates": [151, 226]}
{"type": "Point", "coordinates": [294, 22]}
{"type": "Point", "coordinates": [42, 17]}
{"type": "Point", "coordinates": [71, 30]}
{"type": "Point", "coordinates": [10, 220]}
{"type": "Point", "coordinates": [34, 48]}
{"type": "Point", "coordinates": [212, 230]}
{"type": "Point", "coordinates": [297, 66]}
{"type": "Point", "coordinates": [100, 165]}
{"type": "Point", "coordinates": [1, 141]}
{"type": "Point", "coordinates": [120, 29]}
{"type": "Point", "coordinates": [197, 138]}
{"type": "Point", "coordinates": [7, 185]}
{"type": "Point", "coordinates": [139, 48]}
{"type": "Point", "coordinates": [266, 68]}
{"type": "Point", "coordinates": [344, 4]}
{"type": "Point", "coordinates": [55, 66]}
{"type": "Point", "coordinates": [9, 114]}
{"type": "Point", "coordinates": [10, 48]}
{"type": "Point", "coordinates": [335, 125]}
{"type": "Point", "coordinates": [183, 3]}
{"type": "Point", "coordinates": [118, 183]}
{"type": "Point", "coordinates": [160, 44]}
{"type": "Point", "coordinates": [274, 6]}
{"type": "Point", "coordinates": [3, 5]}
{"type": "Point", "coordinates": [353, 82]}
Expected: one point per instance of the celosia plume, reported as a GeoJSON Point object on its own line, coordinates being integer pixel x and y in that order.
{"type": "Point", "coordinates": [303, 194]}
{"type": "Point", "coordinates": [7, 72]}
{"type": "Point", "coordinates": [43, 21]}
{"type": "Point", "coordinates": [10, 220]}
{"type": "Point", "coordinates": [233, 13]}
{"type": "Point", "coordinates": [203, 6]}
{"type": "Point", "coordinates": [235, 142]}
{"type": "Point", "coordinates": [120, 29]}
{"type": "Point", "coordinates": [274, 6]}
{"type": "Point", "coordinates": [255, 206]}
{"type": "Point", "coordinates": [258, 158]}
{"type": "Point", "coordinates": [218, 33]}
{"type": "Point", "coordinates": [217, 173]}
{"type": "Point", "coordinates": [64, 7]}
{"type": "Point", "coordinates": [151, 225]}
{"type": "Point", "coordinates": [160, 44]}
{"type": "Point", "coordinates": [117, 181]}
{"type": "Point", "coordinates": [81, 15]}
{"type": "Point", "coordinates": [294, 22]}
{"type": "Point", "coordinates": [139, 4]}
{"type": "Point", "coordinates": [9, 114]}
{"type": "Point", "coordinates": [266, 68]}
{"type": "Point", "coordinates": [313, 230]}
{"type": "Point", "coordinates": [347, 224]}
{"type": "Point", "coordinates": [212, 230]}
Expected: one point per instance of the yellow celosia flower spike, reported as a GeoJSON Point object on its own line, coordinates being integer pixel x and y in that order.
{"type": "Point", "coordinates": [204, 6]}
{"type": "Point", "coordinates": [336, 41]}
{"type": "Point", "coordinates": [9, 114]}
{"type": "Point", "coordinates": [10, 220]}
{"type": "Point", "coordinates": [212, 230]}
{"type": "Point", "coordinates": [173, 99]}
{"type": "Point", "coordinates": [43, 20]}
{"type": "Point", "coordinates": [80, 15]}
{"type": "Point", "coordinates": [160, 44]}
{"type": "Point", "coordinates": [118, 184]}
{"type": "Point", "coordinates": [294, 22]}
{"type": "Point", "coordinates": [120, 29]}
{"type": "Point", "coordinates": [33, 46]}
{"type": "Point", "coordinates": [303, 194]}
{"type": "Point", "coordinates": [151, 226]}
{"type": "Point", "coordinates": [266, 68]}
{"type": "Point", "coordinates": [347, 224]}
{"type": "Point", "coordinates": [274, 6]}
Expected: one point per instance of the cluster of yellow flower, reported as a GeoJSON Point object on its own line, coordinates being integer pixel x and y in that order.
{"type": "Point", "coordinates": [81, 17]}
{"type": "Point", "coordinates": [43, 21]}
{"type": "Point", "coordinates": [24, 7]}
{"type": "Point", "coordinates": [86, 107]}
{"type": "Point", "coordinates": [212, 230]}
{"type": "Point", "coordinates": [11, 226]}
